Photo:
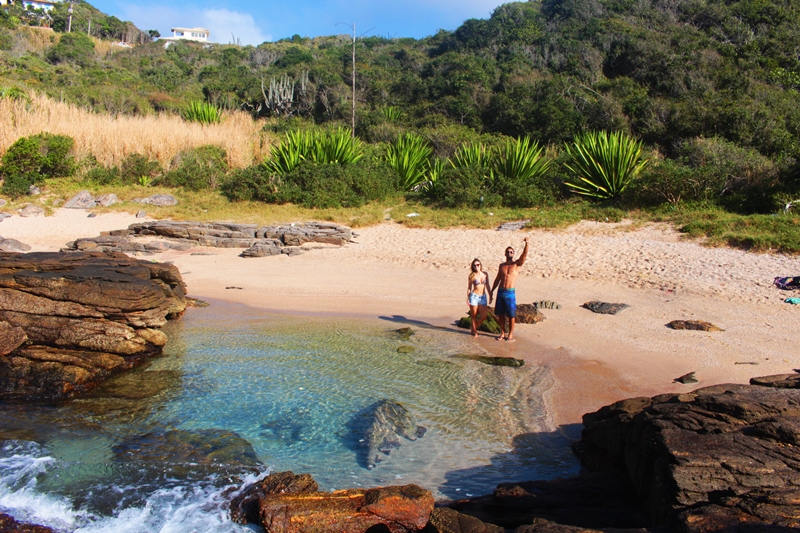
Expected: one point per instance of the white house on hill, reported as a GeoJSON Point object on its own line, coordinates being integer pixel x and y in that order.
{"type": "Point", "coordinates": [46, 5]}
{"type": "Point", "coordinates": [188, 34]}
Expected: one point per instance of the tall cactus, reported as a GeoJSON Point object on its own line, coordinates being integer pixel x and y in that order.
{"type": "Point", "coordinates": [280, 97]}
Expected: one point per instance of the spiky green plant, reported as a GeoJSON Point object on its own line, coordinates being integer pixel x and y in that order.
{"type": "Point", "coordinates": [604, 164]}
{"type": "Point", "coordinates": [434, 172]}
{"type": "Point", "coordinates": [409, 157]}
{"type": "Point", "coordinates": [392, 113]}
{"type": "Point", "coordinates": [472, 155]}
{"type": "Point", "coordinates": [520, 160]}
{"type": "Point", "coordinates": [202, 112]}
{"type": "Point", "coordinates": [337, 146]}
{"type": "Point", "coordinates": [294, 148]}
{"type": "Point", "coordinates": [323, 148]}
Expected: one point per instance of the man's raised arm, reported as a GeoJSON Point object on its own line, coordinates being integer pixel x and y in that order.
{"type": "Point", "coordinates": [524, 255]}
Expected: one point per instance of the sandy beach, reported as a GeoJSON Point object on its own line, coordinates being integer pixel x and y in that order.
{"type": "Point", "coordinates": [420, 275]}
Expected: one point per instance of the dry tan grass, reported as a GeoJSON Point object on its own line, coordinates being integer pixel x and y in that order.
{"type": "Point", "coordinates": [111, 139]}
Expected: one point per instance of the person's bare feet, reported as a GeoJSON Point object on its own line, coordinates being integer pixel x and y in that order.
{"type": "Point", "coordinates": [510, 339]}
{"type": "Point", "coordinates": [474, 333]}
{"type": "Point", "coordinates": [500, 338]}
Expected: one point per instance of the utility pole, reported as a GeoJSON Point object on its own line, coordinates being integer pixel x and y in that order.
{"type": "Point", "coordinates": [353, 117]}
{"type": "Point", "coordinates": [353, 75]}
{"type": "Point", "coordinates": [69, 24]}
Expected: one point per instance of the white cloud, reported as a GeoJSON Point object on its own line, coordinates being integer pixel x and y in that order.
{"type": "Point", "coordinates": [226, 25]}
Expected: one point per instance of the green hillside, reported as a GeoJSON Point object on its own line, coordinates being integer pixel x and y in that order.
{"type": "Point", "coordinates": [709, 86]}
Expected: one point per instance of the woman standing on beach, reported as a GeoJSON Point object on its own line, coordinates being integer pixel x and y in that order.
{"type": "Point", "coordinates": [478, 286]}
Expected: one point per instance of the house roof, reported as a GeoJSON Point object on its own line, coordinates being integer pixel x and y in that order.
{"type": "Point", "coordinates": [191, 29]}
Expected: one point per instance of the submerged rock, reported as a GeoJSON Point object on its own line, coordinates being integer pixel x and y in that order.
{"type": "Point", "coordinates": [494, 361]}
{"type": "Point", "coordinates": [200, 446]}
{"type": "Point", "coordinates": [405, 333]}
{"type": "Point", "coordinates": [9, 525]}
{"type": "Point", "coordinates": [386, 422]}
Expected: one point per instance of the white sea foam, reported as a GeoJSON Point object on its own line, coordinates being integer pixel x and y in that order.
{"type": "Point", "coordinates": [184, 508]}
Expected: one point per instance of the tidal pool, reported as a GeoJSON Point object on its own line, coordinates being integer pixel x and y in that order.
{"type": "Point", "coordinates": [240, 392]}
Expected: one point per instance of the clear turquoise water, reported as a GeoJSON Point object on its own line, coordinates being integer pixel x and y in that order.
{"type": "Point", "coordinates": [293, 388]}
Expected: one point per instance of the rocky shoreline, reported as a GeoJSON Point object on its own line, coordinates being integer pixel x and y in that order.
{"type": "Point", "coordinates": [69, 321]}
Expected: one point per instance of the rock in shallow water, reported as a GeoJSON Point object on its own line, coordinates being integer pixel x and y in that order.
{"type": "Point", "coordinates": [85, 316]}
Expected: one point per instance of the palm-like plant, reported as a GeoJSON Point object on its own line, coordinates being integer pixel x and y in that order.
{"type": "Point", "coordinates": [202, 112]}
{"type": "Point", "coordinates": [293, 149]}
{"type": "Point", "coordinates": [410, 156]}
{"type": "Point", "coordinates": [521, 160]}
{"type": "Point", "coordinates": [604, 164]}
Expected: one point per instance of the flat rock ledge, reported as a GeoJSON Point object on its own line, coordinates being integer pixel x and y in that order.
{"type": "Point", "coordinates": [287, 503]}
{"type": "Point", "coordinates": [260, 241]}
{"type": "Point", "coordinates": [69, 321]}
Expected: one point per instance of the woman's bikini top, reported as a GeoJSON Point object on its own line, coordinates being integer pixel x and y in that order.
{"type": "Point", "coordinates": [476, 282]}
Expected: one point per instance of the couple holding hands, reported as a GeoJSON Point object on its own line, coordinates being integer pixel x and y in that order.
{"type": "Point", "coordinates": [480, 293]}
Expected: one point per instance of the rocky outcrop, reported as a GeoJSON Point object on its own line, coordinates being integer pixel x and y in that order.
{"type": "Point", "coordinates": [292, 504]}
{"type": "Point", "coordinates": [604, 308]}
{"type": "Point", "coordinates": [721, 451]}
{"type": "Point", "coordinates": [695, 325]}
{"type": "Point", "coordinates": [722, 458]}
{"type": "Point", "coordinates": [71, 320]}
{"type": "Point", "coordinates": [260, 241]}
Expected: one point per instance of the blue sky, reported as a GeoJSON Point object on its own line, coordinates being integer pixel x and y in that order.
{"type": "Point", "coordinates": [253, 22]}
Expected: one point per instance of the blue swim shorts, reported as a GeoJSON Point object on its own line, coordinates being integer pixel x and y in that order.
{"type": "Point", "coordinates": [506, 303]}
{"type": "Point", "coordinates": [475, 299]}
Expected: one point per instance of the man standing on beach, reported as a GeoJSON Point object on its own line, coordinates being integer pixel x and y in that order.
{"type": "Point", "coordinates": [506, 302]}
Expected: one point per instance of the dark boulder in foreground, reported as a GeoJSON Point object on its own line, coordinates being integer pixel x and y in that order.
{"type": "Point", "coordinates": [70, 320]}
{"type": "Point", "coordinates": [722, 458]}
{"type": "Point", "coordinates": [291, 504]}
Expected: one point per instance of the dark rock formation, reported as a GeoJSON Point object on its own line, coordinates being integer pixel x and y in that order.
{"type": "Point", "coordinates": [696, 325]}
{"type": "Point", "coordinates": [604, 308]}
{"type": "Point", "coordinates": [547, 304]}
{"type": "Point", "coordinates": [719, 459]}
{"type": "Point", "coordinates": [291, 504]}
{"type": "Point", "coordinates": [719, 455]}
{"type": "Point", "coordinates": [75, 319]}
{"type": "Point", "coordinates": [686, 378]}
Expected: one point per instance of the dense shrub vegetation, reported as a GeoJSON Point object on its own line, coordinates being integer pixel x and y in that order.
{"type": "Point", "coordinates": [709, 87]}
{"type": "Point", "coordinates": [32, 159]}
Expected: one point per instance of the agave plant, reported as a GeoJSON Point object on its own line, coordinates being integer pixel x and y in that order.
{"type": "Point", "coordinates": [293, 149]}
{"type": "Point", "coordinates": [520, 160]}
{"type": "Point", "coordinates": [202, 112]}
{"type": "Point", "coordinates": [337, 146]}
{"type": "Point", "coordinates": [409, 157]}
{"type": "Point", "coordinates": [434, 172]}
{"type": "Point", "coordinates": [392, 113]}
{"type": "Point", "coordinates": [472, 155]}
{"type": "Point", "coordinates": [604, 164]}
